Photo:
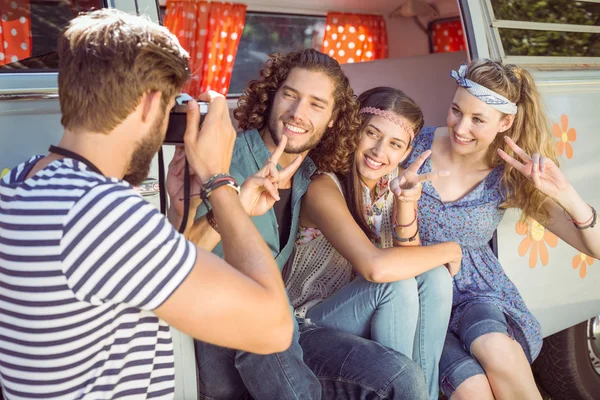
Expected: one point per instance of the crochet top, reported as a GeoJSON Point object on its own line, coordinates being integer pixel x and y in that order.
{"type": "Point", "coordinates": [318, 270]}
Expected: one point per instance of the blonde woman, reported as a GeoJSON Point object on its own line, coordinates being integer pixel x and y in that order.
{"type": "Point", "coordinates": [499, 152]}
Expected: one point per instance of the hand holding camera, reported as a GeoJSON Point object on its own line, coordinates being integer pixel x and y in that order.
{"type": "Point", "coordinates": [210, 148]}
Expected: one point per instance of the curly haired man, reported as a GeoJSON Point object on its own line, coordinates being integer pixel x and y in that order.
{"type": "Point", "coordinates": [306, 98]}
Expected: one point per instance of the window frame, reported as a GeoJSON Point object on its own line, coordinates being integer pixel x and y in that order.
{"type": "Point", "coordinates": [149, 8]}
{"type": "Point", "coordinates": [234, 96]}
{"type": "Point", "coordinates": [496, 48]}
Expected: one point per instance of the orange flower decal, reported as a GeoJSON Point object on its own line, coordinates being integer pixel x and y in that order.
{"type": "Point", "coordinates": [4, 172]}
{"type": "Point", "coordinates": [537, 238]}
{"type": "Point", "coordinates": [564, 135]}
{"type": "Point", "coordinates": [582, 261]}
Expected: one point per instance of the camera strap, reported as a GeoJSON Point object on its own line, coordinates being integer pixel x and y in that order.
{"type": "Point", "coordinates": [163, 193]}
{"type": "Point", "coordinates": [69, 154]}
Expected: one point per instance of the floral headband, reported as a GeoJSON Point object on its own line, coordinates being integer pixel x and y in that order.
{"type": "Point", "coordinates": [390, 117]}
{"type": "Point", "coordinates": [484, 94]}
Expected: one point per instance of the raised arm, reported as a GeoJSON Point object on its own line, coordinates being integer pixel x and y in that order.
{"type": "Point", "coordinates": [258, 194]}
{"type": "Point", "coordinates": [407, 192]}
{"type": "Point", "coordinates": [238, 302]}
{"type": "Point", "coordinates": [570, 217]}
{"type": "Point", "coordinates": [324, 207]}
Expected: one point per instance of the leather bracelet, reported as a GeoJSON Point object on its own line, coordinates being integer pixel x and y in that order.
{"type": "Point", "coordinates": [404, 240]}
{"type": "Point", "coordinates": [215, 182]}
{"type": "Point", "coordinates": [210, 217]}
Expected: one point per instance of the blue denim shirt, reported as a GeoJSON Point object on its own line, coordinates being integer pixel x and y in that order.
{"type": "Point", "coordinates": [249, 155]}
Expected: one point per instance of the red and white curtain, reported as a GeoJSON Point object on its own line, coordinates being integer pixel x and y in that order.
{"type": "Point", "coordinates": [15, 31]}
{"type": "Point", "coordinates": [355, 37]}
{"type": "Point", "coordinates": [448, 36]}
{"type": "Point", "coordinates": [211, 33]}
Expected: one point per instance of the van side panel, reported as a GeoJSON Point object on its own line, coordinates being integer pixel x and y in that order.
{"type": "Point", "coordinates": [562, 288]}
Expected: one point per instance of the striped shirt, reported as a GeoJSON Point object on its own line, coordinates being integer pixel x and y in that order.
{"type": "Point", "coordinates": [83, 262]}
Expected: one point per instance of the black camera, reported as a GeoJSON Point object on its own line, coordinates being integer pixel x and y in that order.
{"type": "Point", "coordinates": [178, 119]}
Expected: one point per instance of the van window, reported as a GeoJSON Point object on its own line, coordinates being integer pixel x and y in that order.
{"type": "Point", "coordinates": [267, 33]}
{"type": "Point", "coordinates": [538, 32]}
{"type": "Point", "coordinates": [29, 31]}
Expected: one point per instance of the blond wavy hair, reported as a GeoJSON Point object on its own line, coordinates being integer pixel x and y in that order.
{"type": "Point", "coordinates": [530, 131]}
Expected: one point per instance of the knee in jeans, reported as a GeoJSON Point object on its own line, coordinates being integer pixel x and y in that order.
{"type": "Point", "coordinates": [404, 291]}
{"type": "Point", "coordinates": [438, 283]}
{"type": "Point", "coordinates": [410, 383]}
{"type": "Point", "coordinates": [222, 391]}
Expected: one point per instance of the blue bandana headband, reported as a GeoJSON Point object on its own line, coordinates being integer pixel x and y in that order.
{"type": "Point", "coordinates": [484, 94]}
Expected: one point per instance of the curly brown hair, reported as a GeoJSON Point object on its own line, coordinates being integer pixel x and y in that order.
{"type": "Point", "coordinates": [334, 151]}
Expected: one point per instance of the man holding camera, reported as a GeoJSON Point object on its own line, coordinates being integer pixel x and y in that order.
{"type": "Point", "coordinates": [304, 102]}
{"type": "Point", "coordinates": [90, 273]}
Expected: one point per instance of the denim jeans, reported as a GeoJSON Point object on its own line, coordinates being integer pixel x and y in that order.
{"type": "Point", "coordinates": [410, 316]}
{"type": "Point", "coordinates": [458, 363]}
{"type": "Point", "coordinates": [320, 364]}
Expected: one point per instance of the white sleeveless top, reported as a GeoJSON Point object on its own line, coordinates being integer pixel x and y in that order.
{"type": "Point", "coordinates": [318, 270]}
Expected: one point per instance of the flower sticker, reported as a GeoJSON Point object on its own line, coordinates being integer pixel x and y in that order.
{"type": "Point", "coordinates": [4, 172]}
{"type": "Point", "coordinates": [582, 261]}
{"type": "Point", "coordinates": [565, 135]}
{"type": "Point", "coordinates": [536, 239]}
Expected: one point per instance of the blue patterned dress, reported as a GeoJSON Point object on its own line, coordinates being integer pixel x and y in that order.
{"type": "Point", "coordinates": [471, 221]}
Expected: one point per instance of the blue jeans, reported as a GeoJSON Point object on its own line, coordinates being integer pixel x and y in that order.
{"type": "Point", "coordinates": [410, 316]}
{"type": "Point", "coordinates": [320, 364]}
{"type": "Point", "coordinates": [458, 363]}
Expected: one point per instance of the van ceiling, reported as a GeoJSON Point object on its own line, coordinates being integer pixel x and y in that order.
{"type": "Point", "coordinates": [382, 7]}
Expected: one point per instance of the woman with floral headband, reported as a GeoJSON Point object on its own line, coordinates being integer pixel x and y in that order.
{"type": "Point", "coordinates": [358, 266]}
{"type": "Point", "coordinates": [499, 153]}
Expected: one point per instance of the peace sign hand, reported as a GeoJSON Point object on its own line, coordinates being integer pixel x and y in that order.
{"type": "Point", "coordinates": [407, 186]}
{"type": "Point", "coordinates": [259, 191]}
{"type": "Point", "coordinates": [542, 171]}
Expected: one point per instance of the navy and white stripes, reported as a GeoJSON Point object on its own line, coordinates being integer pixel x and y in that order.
{"type": "Point", "coordinates": [83, 262]}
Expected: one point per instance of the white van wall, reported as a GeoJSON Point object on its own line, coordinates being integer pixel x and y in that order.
{"type": "Point", "coordinates": [425, 78]}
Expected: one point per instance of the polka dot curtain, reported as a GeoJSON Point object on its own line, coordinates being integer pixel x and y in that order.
{"type": "Point", "coordinates": [211, 33]}
{"type": "Point", "coordinates": [447, 36]}
{"type": "Point", "coordinates": [15, 31]}
{"type": "Point", "coordinates": [355, 38]}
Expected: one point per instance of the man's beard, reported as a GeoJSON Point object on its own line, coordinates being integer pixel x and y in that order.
{"type": "Point", "coordinates": [313, 141]}
{"type": "Point", "coordinates": [139, 166]}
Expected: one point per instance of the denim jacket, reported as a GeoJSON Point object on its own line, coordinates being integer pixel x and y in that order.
{"type": "Point", "coordinates": [249, 155]}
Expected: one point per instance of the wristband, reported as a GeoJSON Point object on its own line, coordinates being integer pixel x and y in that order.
{"type": "Point", "coordinates": [395, 224]}
{"type": "Point", "coordinates": [590, 223]}
{"type": "Point", "coordinates": [404, 240]}
{"type": "Point", "coordinates": [216, 182]}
